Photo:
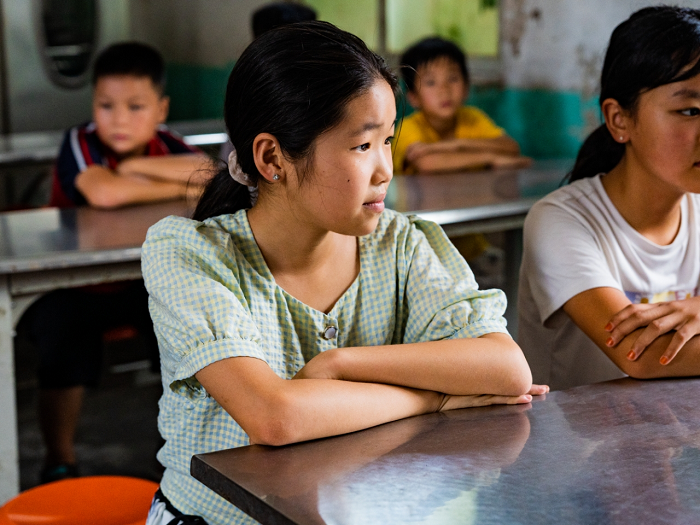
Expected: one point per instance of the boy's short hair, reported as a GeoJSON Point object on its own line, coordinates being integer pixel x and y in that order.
{"type": "Point", "coordinates": [131, 58]}
{"type": "Point", "coordinates": [280, 14]}
{"type": "Point", "coordinates": [426, 51]}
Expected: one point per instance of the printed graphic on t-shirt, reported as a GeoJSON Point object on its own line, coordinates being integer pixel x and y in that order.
{"type": "Point", "coordinates": [661, 297]}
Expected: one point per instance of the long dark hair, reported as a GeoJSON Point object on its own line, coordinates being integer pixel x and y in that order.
{"type": "Point", "coordinates": [652, 48]}
{"type": "Point", "coordinates": [293, 82]}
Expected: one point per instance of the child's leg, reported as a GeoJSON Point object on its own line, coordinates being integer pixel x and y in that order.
{"type": "Point", "coordinates": [59, 413]}
{"type": "Point", "coordinates": [63, 328]}
{"type": "Point", "coordinates": [67, 328]}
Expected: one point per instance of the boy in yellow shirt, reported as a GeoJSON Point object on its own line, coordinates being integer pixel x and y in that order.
{"type": "Point", "coordinates": [445, 135]}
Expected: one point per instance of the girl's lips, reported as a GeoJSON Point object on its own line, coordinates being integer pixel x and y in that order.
{"type": "Point", "coordinates": [376, 206]}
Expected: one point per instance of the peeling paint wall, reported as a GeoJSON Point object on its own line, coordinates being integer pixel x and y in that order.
{"type": "Point", "coordinates": [552, 52]}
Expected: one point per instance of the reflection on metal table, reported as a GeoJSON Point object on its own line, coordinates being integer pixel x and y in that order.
{"type": "Point", "coordinates": [47, 249]}
{"type": "Point", "coordinates": [622, 452]}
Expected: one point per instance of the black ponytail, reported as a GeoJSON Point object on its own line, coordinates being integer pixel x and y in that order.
{"type": "Point", "coordinates": [655, 46]}
{"type": "Point", "coordinates": [598, 154]}
{"type": "Point", "coordinates": [222, 195]}
{"type": "Point", "coordinates": [293, 82]}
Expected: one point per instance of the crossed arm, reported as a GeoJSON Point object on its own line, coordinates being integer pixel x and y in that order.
{"type": "Point", "coordinates": [349, 389]}
{"type": "Point", "coordinates": [142, 179]}
{"type": "Point", "coordinates": [644, 341]}
{"type": "Point", "coordinates": [455, 154]}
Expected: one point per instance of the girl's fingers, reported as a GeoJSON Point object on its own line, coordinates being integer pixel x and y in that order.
{"type": "Point", "coordinates": [455, 402]}
{"type": "Point", "coordinates": [621, 316]}
{"type": "Point", "coordinates": [680, 338]}
{"type": "Point", "coordinates": [538, 390]}
{"type": "Point", "coordinates": [629, 319]}
{"type": "Point", "coordinates": [655, 329]}
{"type": "Point", "coordinates": [519, 400]}
{"type": "Point", "coordinates": [640, 319]}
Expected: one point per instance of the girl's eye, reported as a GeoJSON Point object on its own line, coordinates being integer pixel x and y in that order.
{"type": "Point", "coordinates": [389, 140]}
{"type": "Point", "coordinates": [363, 147]}
{"type": "Point", "coordinates": [690, 112]}
{"type": "Point", "coordinates": [105, 105]}
{"type": "Point", "coordinates": [135, 107]}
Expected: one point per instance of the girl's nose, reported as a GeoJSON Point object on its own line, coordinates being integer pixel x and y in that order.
{"type": "Point", "coordinates": [385, 168]}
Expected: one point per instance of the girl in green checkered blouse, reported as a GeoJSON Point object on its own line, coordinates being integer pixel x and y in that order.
{"type": "Point", "coordinates": [293, 306]}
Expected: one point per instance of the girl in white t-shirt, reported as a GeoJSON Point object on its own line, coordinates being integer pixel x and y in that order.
{"type": "Point", "coordinates": [612, 261]}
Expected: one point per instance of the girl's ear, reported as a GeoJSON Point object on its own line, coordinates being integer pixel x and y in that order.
{"type": "Point", "coordinates": [268, 157]}
{"type": "Point", "coordinates": [617, 120]}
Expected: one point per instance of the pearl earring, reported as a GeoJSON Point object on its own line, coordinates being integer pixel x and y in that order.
{"type": "Point", "coordinates": [622, 138]}
{"type": "Point", "coordinates": [275, 177]}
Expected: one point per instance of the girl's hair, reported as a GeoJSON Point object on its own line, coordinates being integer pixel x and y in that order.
{"type": "Point", "coordinates": [293, 82]}
{"type": "Point", "coordinates": [653, 47]}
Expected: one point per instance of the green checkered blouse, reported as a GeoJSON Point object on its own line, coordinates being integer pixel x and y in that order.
{"type": "Point", "coordinates": [212, 297]}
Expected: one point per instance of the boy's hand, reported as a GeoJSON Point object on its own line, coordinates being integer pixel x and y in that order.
{"type": "Point", "coordinates": [509, 162]}
{"type": "Point", "coordinates": [417, 150]}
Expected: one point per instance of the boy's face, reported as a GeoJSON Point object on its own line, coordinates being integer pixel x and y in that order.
{"type": "Point", "coordinates": [127, 111]}
{"type": "Point", "coordinates": [440, 89]}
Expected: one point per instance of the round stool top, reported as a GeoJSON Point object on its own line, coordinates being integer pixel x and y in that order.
{"type": "Point", "coordinates": [93, 500]}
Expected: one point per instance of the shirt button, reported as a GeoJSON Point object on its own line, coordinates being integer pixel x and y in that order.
{"type": "Point", "coordinates": [330, 332]}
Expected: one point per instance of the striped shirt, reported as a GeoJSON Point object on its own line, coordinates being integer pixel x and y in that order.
{"type": "Point", "coordinates": [82, 147]}
{"type": "Point", "coordinates": [213, 297]}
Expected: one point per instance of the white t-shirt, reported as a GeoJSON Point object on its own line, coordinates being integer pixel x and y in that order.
{"type": "Point", "coordinates": [576, 240]}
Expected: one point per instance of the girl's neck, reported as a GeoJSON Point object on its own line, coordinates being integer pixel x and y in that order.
{"type": "Point", "coordinates": [651, 206]}
{"type": "Point", "coordinates": [312, 265]}
{"type": "Point", "coordinates": [445, 128]}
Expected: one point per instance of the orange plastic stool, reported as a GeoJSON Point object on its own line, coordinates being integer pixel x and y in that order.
{"type": "Point", "coordinates": [95, 500]}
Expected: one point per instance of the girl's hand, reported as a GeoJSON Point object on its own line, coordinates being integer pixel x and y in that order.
{"type": "Point", "coordinates": [454, 402]}
{"type": "Point", "coordinates": [323, 366]}
{"type": "Point", "coordinates": [659, 318]}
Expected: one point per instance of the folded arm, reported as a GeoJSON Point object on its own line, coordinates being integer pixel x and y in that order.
{"type": "Point", "coordinates": [491, 364]}
{"type": "Point", "coordinates": [275, 411]}
{"type": "Point", "coordinates": [460, 160]}
{"type": "Point", "coordinates": [503, 144]}
{"type": "Point", "coordinates": [169, 168]}
{"type": "Point", "coordinates": [593, 310]}
{"type": "Point", "coordinates": [104, 188]}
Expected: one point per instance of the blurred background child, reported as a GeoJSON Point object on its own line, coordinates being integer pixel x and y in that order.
{"type": "Point", "coordinates": [443, 134]}
{"type": "Point", "coordinates": [124, 156]}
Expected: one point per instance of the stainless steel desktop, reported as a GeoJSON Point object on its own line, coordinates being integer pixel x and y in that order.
{"type": "Point", "coordinates": [624, 452]}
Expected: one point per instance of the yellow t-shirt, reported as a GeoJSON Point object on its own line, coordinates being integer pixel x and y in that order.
{"type": "Point", "coordinates": [472, 123]}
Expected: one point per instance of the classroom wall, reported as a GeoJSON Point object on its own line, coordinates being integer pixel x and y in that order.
{"type": "Point", "coordinates": [200, 40]}
{"type": "Point", "coordinates": [551, 53]}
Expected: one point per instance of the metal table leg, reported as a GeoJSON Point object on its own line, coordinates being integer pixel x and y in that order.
{"type": "Point", "coordinates": [9, 457]}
